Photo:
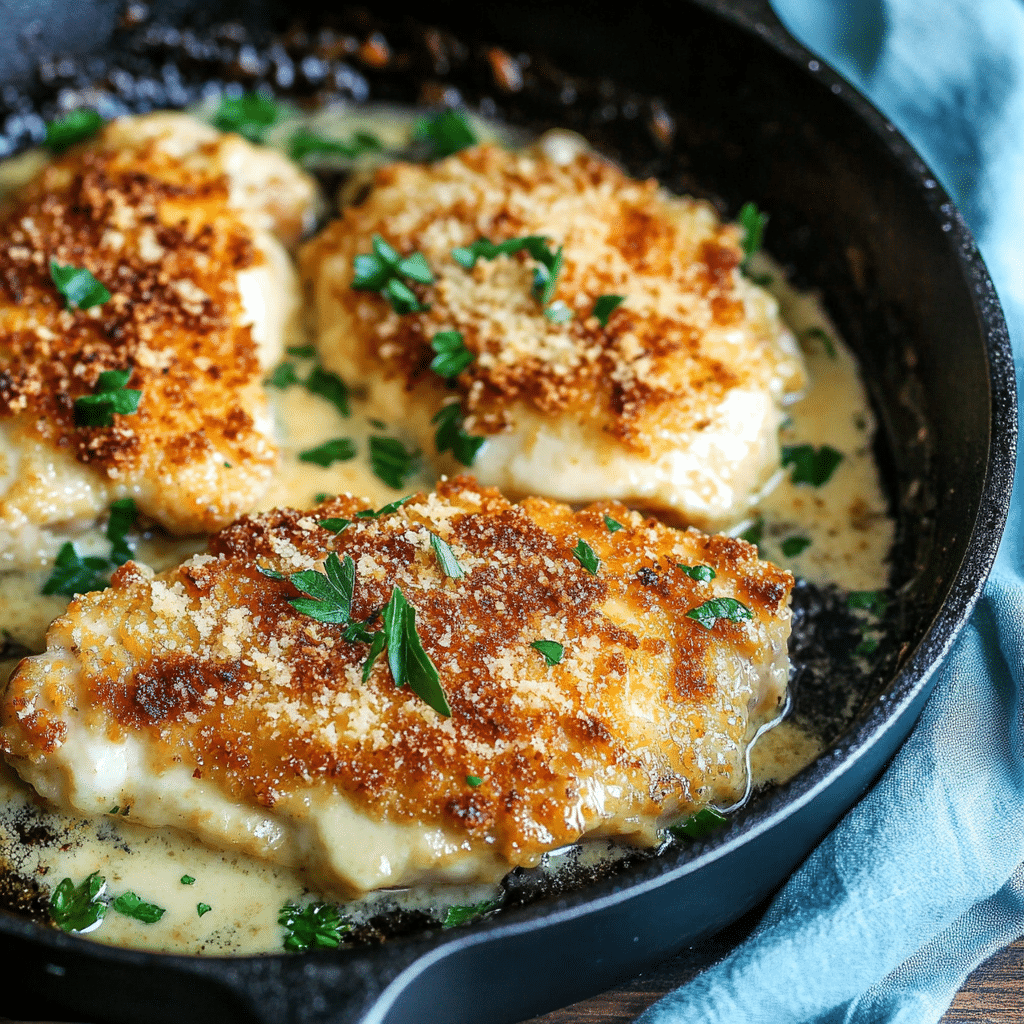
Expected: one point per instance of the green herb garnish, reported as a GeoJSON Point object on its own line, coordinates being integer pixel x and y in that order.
{"type": "Point", "coordinates": [753, 222]}
{"type": "Point", "coordinates": [203, 908]}
{"type": "Point", "coordinates": [340, 449]}
{"type": "Point", "coordinates": [446, 558]}
{"type": "Point", "coordinates": [867, 646]}
{"type": "Point", "coordinates": [330, 386]}
{"type": "Point", "coordinates": [462, 915]}
{"type": "Point", "coordinates": [728, 608]}
{"type": "Point", "coordinates": [334, 525]}
{"type": "Point", "coordinates": [700, 573]}
{"type": "Point", "coordinates": [284, 376]}
{"type": "Point", "coordinates": [408, 662]}
{"type": "Point", "coordinates": [329, 593]}
{"type": "Point", "coordinates": [391, 461]}
{"type": "Point", "coordinates": [613, 525]}
{"type": "Point", "coordinates": [132, 906]}
{"type": "Point", "coordinates": [452, 355]}
{"type": "Point", "coordinates": [187, 880]}
{"type": "Point", "coordinates": [111, 396]}
{"type": "Point", "coordinates": [451, 437]}
{"type": "Point", "coordinates": [473, 780]}
{"type": "Point", "coordinates": [605, 305]}
{"type": "Point", "coordinates": [545, 276]}
{"type": "Point", "coordinates": [250, 114]}
{"type": "Point", "coordinates": [302, 351]}
{"type": "Point", "coordinates": [382, 271]}
{"type": "Point", "coordinates": [78, 908]}
{"type": "Point", "coordinates": [793, 546]}
{"type": "Point", "coordinates": [585, 556]}
{"type": "Point", "coordinates": [698, 825]}
{"type": "Point", "coordinates": [75, 126]}
{"type": "Point", "coordinates": [811, 465]}
{"type": "Point", "coordinates": [551, 649]}
{"type": "Point", "coordinates": [817, 334]}
{"type": "Point", "coordinates": [445, 133]}
{"type": "Point", "coordinates": [122, 519]}
{"type": "Point", "coordinates": [78, 288]}
{"type": "Point", "coordinates": [874, 601]}
{"type": "Point", "coordinates": [305, 142]}
{"type": "Point", "coordinates": [386, 510]}
{"type": "Point", "coordinates": [74, 574]}
{"type": "Point", "coordinates": [315, 926]}
{"type": "Point", "coordinates": [754, 533]}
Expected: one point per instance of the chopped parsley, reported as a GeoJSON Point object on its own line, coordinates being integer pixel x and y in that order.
{"type": "Point", "coordinates": [334, 525]}
{"type": "Point", "coordinates": [305, 143]}
{"type": "Point", "coordinates": [302, 351]}
{"type": "Point", "coordinates": [545, 274]}
{"type": "Point", "coordinates": [340, 449]}
{"type": "Point", "coordinates": [74, 574]}
{"type": "Point", "coordinates": [446, 558]}
{"type": "Point", "coordinates": [315, 926]}
{"type": "Point", "coordinates": [122, 518]}
{"type": "Point", "coordinates": [613, 524]}
{"type": "Point", "coordinates": [605, 305]}
{"type": "Point", "coordinates": [867, 646]}
{"type": "Point", "coordinates": [585, 556]}
{"type": "Point", "coordinates": [700, 573]}
{"type": "Point", "coordinates": [445, 133]}
{"type": "Point", "coordinates": [728, 608]}
{"type": "Point", "coordinates": [321, 496]}
{"type": "Point", "coordinates": [452, 355]}
{"type": "Point", "coordinates": [111, 396]}
{"type": "Point", "coordinates": [386, 510]}
{"type": "Point", "coordinates": [873, 601]}
{"type": "Point", "coordinates": [382, 271]}
{"type": "Point", "coordinates": [698, 825]}
{"type": "Point", "coordinates": [187, 880]}
{"type": "Point", "coordinates": [753, 222]}
{"type": "Point", "coordinates": [474, 780]}
{"type": "Point", "coordinates": [75, 126]}
{"type": "Point", "coordinates": [132, 906]}
{"type": "Point", "coordinates": [330, 386]}
{"type": "Point", "coordinates": [811, 465]}
{"type": "Point", "coordinates": [754, 533]}
{"type": "Point", "coordinates": [391, 461]}
{"type": "Point", "coordinates": [284, 376]}
{"type": "Point", "coordinates": [464, 914]}
{"type": "Point", "coordinates": [203, 908]}
{"type": "Point", "coordinates": [250, 114]}
{"type": "Point", "coordinates": [796, 545]}
{"type": "Point", "coordinates": [329, 593]}
{"type": "Point", "coordinates": [79, 908]}
{"type": "Point", "coordinates": [551, 649]}
{"type": "Point", "coordinates": [451, 437]}
{"type": "Point", "coordinates": [77, 286]}
{"type": "Point", "coordinates": [817, 334]}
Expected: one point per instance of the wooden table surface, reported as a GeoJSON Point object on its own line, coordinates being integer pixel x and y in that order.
{"type": "Point", "coordinates": [993, 994]}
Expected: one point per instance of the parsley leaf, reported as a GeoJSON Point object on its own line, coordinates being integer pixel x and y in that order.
{"type": "Point", "coordinates": [72, 574]}
{"type": "Point", "coordinates": [698, 825]}
{"type": "Point", "coordinates": [867, 646]}
{"type": "Point", "coordinates": [874, 601]}
{"type": "Point", "coordinates": [753, 222]}
{"type": "Point", "coordinates": [302, 351]}
{"type": "Point", "coordinates": [463, 914]}
{"type": "Point", "coordinates": [334, 525]}
{"type": "Point", "coordinates": [340, 449]}
{"type": "Point", "coordinates": [78, 908]}
{"type": "Point", "coordinates": [111, 396]}
{"type": "Point", "coordinates": [728, 608]}
{"type": "Point", "coordinates": [605, 305]}
{"type": "Point", "coordinates": [452, 355]}
{"type": "Point", "coordinates": [203, 908]}
{"type": "Point", "coordinates": [391, 462]}
{"type": "Point", "coordinates": [793, 546]}
{"type": "Point", "coordinates": [585, 556]}
{"type": "Point", "coordinates": [250, 114]}
{"type": "Point", "coordinates": [329, 593]}
{"type": "Point", "coordinates": [382, 271]}
{"type": "Point", "coordinates": [473, 780]}
{"type": "Point", "coordinates": [305, 142]}
{"type": "Point", "coordinates": [376, 650]}
{"type": "Point", "coordinates": [132, 906]}
{"type": "Point", "coordinates": [817, 334]}
{"type": "Point", "coordinates": [545, 275]}
{"type": "Point", "coordinates": [330, 386]}
{"type": "Point", "coordinates": [445, 133]}
{"type": "Point", "coordinates": [551, 649]}
{"type": "Point", "coordinates": [754, 533]}
{"type": "Point", "coordinates": [78, 288]}
{"type": "Point", "coordinates": [386, 510]}
{"type": "Point", "coordinates": [284, 376]}
{"type": "Point", "coordinates": [451, 437]}
{"type": "Point", "coordinates": [187, 880]}
{"type": "Point", "coordinates": [613, 524]}
{"type": "Point", "coordinates": [315, 926]}
{"type": "Point", "coordinates": [75, 126]}
{"type": "Point", "coordinates": [446, 558]}
{"type": "Point", "coordinates": [811, 465]}
{"type": "Point", "coordinates": [122, 519]}
{"type": "Point", "coordinates": [700, 573]}
{"type": "Point", "coordinates": [408, 662]}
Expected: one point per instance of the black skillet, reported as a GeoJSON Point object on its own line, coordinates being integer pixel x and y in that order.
{"type": "Point", "coordinates": [742, 112]}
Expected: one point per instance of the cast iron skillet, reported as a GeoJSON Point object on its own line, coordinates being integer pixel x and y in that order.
{"type": "Point", "coordinates": [855, 214]}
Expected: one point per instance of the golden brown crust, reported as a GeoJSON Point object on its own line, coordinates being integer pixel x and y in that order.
{"type": "Point", "coordinates": [648, 709]}
{"type": "Point", "coordinates": [660, 362]}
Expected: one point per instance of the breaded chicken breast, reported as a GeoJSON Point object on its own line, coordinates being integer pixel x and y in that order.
{"type": "Point", "coordinates": [597, 673]}
{"type": "Point", "coordinates": [670, 399]}
{"type": "Point", "coordinates": [186, 230]}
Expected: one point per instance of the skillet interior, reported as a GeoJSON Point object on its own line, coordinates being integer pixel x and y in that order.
{"type": "Point", "coordinates": [852, 215]}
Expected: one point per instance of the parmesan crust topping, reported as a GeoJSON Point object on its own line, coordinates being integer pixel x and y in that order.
{"type": "Point", "coordinates": [206, 677]}
{"type": "Point", "coordinates": [155, 211]}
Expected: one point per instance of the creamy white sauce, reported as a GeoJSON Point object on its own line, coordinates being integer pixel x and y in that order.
{"type": "Point", "coordinates": [844, 520]}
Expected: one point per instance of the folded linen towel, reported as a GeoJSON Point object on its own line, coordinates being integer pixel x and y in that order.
{"type": "Point", "coordinates": [923, 879]}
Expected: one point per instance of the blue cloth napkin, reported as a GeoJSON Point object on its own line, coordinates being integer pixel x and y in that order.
{"type": "Point", "coordinates": [923, 879]}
